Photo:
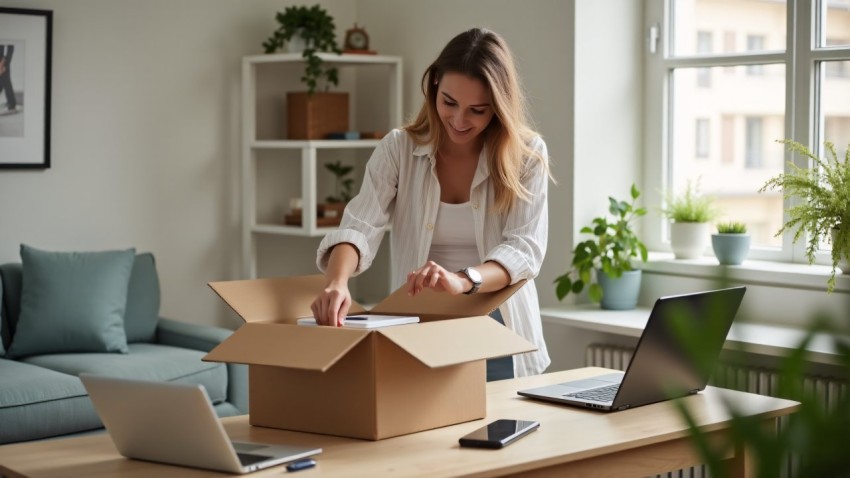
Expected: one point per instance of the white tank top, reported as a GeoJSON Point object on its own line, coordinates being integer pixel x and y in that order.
{"type": "Point", "coordinates": [453, 245]}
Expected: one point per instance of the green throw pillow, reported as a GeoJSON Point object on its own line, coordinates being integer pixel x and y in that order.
{"type": "Point", "coordinates": [72, 302]}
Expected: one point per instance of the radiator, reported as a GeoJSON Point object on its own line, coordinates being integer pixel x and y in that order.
{"type": "Point", "coordinates": [758, 380]}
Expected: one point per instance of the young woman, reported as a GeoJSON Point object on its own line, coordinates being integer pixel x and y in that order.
{"type": "Point", "coordinates": [464, 186]}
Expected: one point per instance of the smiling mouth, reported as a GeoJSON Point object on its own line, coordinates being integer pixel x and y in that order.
{"type": "Point", "coordinates": [459, 131]}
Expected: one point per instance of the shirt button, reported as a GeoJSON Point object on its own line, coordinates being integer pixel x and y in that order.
{"type": "Point", "coordinates": [430, 226]}
{"type": "Point", "coordinates": [475, 205]}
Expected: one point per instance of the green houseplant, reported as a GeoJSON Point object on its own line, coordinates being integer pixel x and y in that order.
{"type": "Point", "coordinates": [689, 213]}
{"type": "Point", "coordinates": [731, 243]}
{"type": "Point", "coordinates": [343, 190]}
{"type": "Point", "coordinates": [317, 29]}
{"type": "Point", "coordinates": [823, 211]}
{"type": "Point", "coordinates": [610, 254]}
{"type": "Point", "coordinates": [343, 185]}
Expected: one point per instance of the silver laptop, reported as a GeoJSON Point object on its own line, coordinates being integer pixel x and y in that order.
{"type": "Point", "coordinates": [175, 423]}
{"type": "Point", "coordinates": [661, 368]}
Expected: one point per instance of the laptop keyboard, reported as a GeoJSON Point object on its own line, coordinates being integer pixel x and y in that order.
{"type": "Point", "coordinates": [248, 459]}
{"type": "Point", "coordinates": [603, 394]}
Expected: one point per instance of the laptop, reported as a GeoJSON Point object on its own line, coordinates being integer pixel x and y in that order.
{"type": "Point", "coordinates": [175, 423]}
{"type": "Point", "coordinates": [661, 367]}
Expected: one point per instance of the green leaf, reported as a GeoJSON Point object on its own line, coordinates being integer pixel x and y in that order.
{"type": "Point", "coordinates": [563, 288]}
{"type": "Point", "coordinates": [635, 192]}
{"type": "Point", "coordinates": [578, 286]}
{"type": "Point", "coordinates": [595, 292]}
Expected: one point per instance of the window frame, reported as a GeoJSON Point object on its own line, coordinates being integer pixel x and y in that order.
{"type": "Point", "coordinates": [801, 57]}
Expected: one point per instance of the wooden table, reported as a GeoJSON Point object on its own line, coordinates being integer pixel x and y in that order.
{"type": "Point", "coordinates": [570, 442]}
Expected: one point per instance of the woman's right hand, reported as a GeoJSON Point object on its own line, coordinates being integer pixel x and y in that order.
{"type": "Point", "coordinates": [331, 306]}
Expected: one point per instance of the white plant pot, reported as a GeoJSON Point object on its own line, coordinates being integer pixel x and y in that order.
{"type": "Point", "coordinates": [296, 44]}
{"type": "Point", "coordinates": [689, 239]}
{"type": "Point", "coordinates": [844, 263]}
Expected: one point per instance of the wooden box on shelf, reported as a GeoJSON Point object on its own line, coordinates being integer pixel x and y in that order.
{"type": "Point", "coordinates": [328, 215]}
{"type": "Point", "coordinates": [314, 116]}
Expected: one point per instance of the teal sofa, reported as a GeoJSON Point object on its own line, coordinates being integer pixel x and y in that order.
{"type": "Point", "coordinates": [41, 396]}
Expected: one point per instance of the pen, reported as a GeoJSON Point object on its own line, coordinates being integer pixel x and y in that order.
{"type": "Point", "coordinates": [301, 465]}
{"type": "Point", "coordinates": [356, 317]}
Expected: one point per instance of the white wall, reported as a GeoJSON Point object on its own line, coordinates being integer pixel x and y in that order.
{"type": "Point", "coordinates": [146, 128]}
{"type": "Point", "coordinates": [146, 137]}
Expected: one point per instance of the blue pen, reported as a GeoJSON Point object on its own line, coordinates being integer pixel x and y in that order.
{"type": "Point", "coordinates": [301, 465]}
{"type": "Point", "coordinates": [356, 317]}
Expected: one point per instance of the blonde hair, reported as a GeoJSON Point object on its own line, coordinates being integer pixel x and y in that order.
{"type": "Point", "coordinates": [484, 55]}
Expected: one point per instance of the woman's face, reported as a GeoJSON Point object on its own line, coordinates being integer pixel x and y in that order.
{"type": "Point", "coordinates": [464, 107]}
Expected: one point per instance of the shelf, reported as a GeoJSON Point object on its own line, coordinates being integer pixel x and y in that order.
{"type": "Point", "coordinates": [318, 144]}
{"type": "Point", "coordinates": [343, 59]}
{"type": "Point", "coordinates": [290, 230]}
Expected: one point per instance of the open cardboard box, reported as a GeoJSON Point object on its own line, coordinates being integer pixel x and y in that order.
{"type": "Point", "coordinates": [369, 384]}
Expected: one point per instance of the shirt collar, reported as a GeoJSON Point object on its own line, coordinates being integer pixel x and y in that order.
{"type": "Point", "coordinates": [481, 172]}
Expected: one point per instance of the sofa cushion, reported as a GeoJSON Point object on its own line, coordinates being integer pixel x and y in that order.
{"type": "Point", "coordinates": [72, 302]}
{"type": "Point", "coordinates": [39, 403]}
{"type": "Point", "coordinates": [3, 325]}
{"type": "Point", "coordinates": [142, 314]}
{"type": "Point", "coordinates": [145, 362]}
{"type": "Point", "coordinates": [11, 275]}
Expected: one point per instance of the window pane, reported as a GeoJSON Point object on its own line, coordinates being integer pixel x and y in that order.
{"type": "Point", "coordinates": [737, 22]}
{"type": "Point", "coordinates": [836, 23]}
{"type": "Point", "coordinates": [834, 111]}
{"type": "Point", "coordinates": [725, 137]}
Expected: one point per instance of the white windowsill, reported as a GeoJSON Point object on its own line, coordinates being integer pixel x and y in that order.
{"type": "Point", "coordinates": [770, 340]}
{"type": "Point", "coordinates": [779, 274]}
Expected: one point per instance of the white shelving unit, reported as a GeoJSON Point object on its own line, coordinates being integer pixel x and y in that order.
{"type": "Point", "coordinates": [265, 81]}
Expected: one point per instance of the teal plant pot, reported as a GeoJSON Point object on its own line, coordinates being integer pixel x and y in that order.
{"type": "Point", "coordinates": [730, 249]}
{"type": "Point", "coordinates": [619, 293]}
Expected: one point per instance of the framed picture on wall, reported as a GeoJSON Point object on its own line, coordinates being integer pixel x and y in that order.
{"type": "Point", "coordinates": [25, 56]}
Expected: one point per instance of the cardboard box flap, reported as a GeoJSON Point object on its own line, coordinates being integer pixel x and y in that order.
{"type": "Point", "coordinates": [291, 346]}
{"type": "Point", "coordinates": [451, 342]}
{"type": "Point", "coordinates": [439, 304]}
{"type": "Point", "coordinates": [278, 299]}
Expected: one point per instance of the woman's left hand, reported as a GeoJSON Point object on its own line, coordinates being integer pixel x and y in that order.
{"type": "Point", "coordinates": [434, 276]}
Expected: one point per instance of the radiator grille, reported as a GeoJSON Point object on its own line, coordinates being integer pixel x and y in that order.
{"type": "Point", "coordinates": [758, 380]}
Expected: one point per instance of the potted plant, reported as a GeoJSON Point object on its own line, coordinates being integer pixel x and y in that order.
{"type": "Point", "coordinates": [823, 212]}
{"type": "Point", "coordinates": [343, 190]}
{"type": "Point", "coordinates": [610, 257]}
{"type": "Point", "coordinates": [690, 214]}
{"type": "Point", "coordinates": [731, 243]}
{"type": "Point", "coordinates": [312, 114]}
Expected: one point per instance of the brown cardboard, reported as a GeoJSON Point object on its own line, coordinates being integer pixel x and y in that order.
{"type": "Point", "coordinates": [369, 384]}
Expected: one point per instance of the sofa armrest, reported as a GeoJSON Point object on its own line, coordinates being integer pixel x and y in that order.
{"type": "Point", "coordinates": [205, 338]}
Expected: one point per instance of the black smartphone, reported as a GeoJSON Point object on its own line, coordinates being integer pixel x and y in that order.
{"type": "Point", "coordinates": [499, 434]}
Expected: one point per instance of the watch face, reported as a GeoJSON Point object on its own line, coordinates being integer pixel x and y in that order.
{"type": "Point", "coordinates": [473, 275]}
{"type": "Point", "coordinates": [357, 39]}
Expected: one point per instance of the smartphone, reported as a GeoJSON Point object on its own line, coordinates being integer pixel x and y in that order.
{"type": "Point", "coordinates": [499, 434]}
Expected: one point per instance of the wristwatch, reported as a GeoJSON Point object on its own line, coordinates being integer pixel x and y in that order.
{"type": "Point", "coordinates": [474, 276]}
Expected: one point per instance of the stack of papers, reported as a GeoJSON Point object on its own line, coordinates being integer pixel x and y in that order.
{"type": "Point", "coordinates": [368, 321]}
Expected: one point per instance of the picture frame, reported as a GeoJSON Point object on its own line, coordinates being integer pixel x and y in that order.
{"type": "Point", "coordinates": [26, 46]}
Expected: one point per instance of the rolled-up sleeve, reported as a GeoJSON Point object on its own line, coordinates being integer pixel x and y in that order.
{"type": "Point", "coordinates": [367, 214]}
{"type": "Point", "coordinates": [526, 227]}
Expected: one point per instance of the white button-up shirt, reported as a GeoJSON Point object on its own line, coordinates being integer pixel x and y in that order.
{"type": "Point", "coordinates": [400, 186]}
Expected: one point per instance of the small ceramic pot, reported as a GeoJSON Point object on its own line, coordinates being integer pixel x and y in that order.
{"type": "Point", "coordinates": [619, 293]}
{"type": "Point", "coordinates": [730, 249]}
{"type": "Point", "coordinates": [689, 239]}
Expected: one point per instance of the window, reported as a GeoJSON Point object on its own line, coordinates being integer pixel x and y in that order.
{"type": "Point", "coordinates": [702, 138]}
{"type": "Point", "coordinates": [703, 47]}
{"type": "Point", "coordinates": [746, 87]}
{"type": "Point", "coordinates": [755, 43]}
{"type": "Point", "coordinates": [752, 157]}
